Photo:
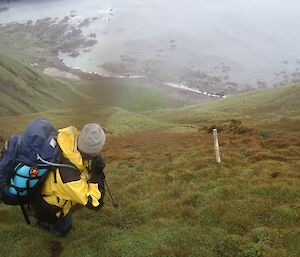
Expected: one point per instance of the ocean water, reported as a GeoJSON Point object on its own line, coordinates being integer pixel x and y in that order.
{"type": "Point", "coordinates": [204, 44]}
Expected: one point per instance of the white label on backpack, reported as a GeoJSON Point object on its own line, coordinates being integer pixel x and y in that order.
{"type": "Point", "coordinates": [53, 143]}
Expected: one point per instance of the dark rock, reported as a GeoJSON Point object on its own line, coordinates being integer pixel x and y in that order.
{"type": "Point", "coordinates": [86, 22]}
{"type": "Point", "coordinates": [74, 54]}
{"type": "Point", "coordinates": [90, 43]}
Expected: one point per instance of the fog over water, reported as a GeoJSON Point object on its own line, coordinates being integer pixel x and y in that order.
{"type": "Point", "coordinates": [247, 42]}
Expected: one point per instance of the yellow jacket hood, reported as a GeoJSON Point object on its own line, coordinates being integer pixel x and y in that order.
{"type": "Point", "coordinates": [67, 140]}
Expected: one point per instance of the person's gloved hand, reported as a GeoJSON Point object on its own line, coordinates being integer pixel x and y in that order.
{"type": "Point", "coordinates": [98, 164]}
{"type": "Point", "coordinates": [97, 167]}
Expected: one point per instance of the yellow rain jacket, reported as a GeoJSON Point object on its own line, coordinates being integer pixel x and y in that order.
{"type": "Point", "coordinates": [66, 187]}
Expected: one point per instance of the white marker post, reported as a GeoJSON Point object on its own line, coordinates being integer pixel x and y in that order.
{"type": "Point", "coordinates": [217, 149]}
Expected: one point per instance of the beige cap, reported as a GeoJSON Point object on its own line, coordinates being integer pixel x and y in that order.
{"type": "Point", "coordinates": [91, 139]}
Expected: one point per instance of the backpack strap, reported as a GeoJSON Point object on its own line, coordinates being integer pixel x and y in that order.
{"type": "Point", "coordinates": [55, 164]}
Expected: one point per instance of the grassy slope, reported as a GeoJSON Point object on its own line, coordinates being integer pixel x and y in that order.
{"type": "Point", "coordinates": [173, 200]}
{"type": "Point", "coordinates": [263, 105]}
{"type": "Point", "coordinates": [24, 90]}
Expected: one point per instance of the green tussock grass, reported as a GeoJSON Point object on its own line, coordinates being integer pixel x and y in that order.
{"type": "Point", "coordinates": [24, 90]}
{"type": "Point", "coordinates": [254, 107]}
{"type": "Point", "coordinates": [173, 199]}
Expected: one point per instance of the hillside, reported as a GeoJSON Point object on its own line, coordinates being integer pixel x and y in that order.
{"type": "Point", "coordinates": [173, 201]}
{"type": "Point", "coordinates": [24, 90]}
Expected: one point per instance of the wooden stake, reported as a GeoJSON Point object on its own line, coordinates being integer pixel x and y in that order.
{"type": "Point", "coordinates": [217, 149]}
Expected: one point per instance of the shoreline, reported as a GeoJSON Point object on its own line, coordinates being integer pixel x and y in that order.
{"type": "Point", "coordinates": [75, 32]}
{"type": "Point", "coordinates": [46, 57]}
{"type": "Point", "coordinates": [183, 87]}
{"type": "Point", "coordinates": [169, 84]}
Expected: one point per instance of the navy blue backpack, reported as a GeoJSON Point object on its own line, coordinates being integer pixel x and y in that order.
{"type": "Point", "coordinates": [26, 161]}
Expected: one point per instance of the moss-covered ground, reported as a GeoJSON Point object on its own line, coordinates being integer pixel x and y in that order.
{"type": "Point", "coordinates": [173, 201]}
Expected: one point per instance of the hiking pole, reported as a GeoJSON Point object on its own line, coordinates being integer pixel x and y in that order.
{"type": "Point", "coordinates": [110, 195]}
{"type": "Point", "coordinates": [25, 214]}
{"type": "Point", "coordinates": [122, 222]}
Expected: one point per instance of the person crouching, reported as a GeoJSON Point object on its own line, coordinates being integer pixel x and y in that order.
{"type": "Point", "coordinates": [81, 182]}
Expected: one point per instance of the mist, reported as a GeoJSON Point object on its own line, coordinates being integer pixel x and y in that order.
{"type": "Point", "coordinates": [209, 45]}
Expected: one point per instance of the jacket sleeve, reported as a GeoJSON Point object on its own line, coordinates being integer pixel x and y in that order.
{"type": "Point", "coordinates": [77, 189]}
